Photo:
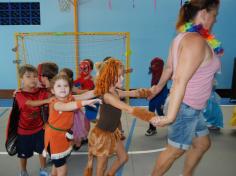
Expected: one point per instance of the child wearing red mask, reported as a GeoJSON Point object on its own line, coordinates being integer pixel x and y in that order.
{"type": "Point", "coordinates": [157, 103]}
{"type": "Point", "coordinates": [85, 80]}
{"type": "Point", "coordinates": [85, 83]}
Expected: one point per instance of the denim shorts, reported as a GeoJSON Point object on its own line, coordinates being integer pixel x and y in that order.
{"type": "Point", "coordinates": [189, 124]}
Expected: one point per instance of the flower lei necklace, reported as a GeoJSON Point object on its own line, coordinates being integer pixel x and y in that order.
{"type": "Point", "coordinates": [210, 38]}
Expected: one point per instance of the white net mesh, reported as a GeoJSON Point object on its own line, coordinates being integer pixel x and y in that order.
{"type": "Point", "coordinates": [61, 49]}
{"type": "Point", "coordinates": [65, 5]}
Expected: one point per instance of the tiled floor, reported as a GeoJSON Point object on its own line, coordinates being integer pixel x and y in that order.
{"type": "Point", "coordinates": [219, 160]}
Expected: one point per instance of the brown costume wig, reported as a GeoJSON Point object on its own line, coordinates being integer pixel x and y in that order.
{"type": "Point", "coordinates": [108, 76]}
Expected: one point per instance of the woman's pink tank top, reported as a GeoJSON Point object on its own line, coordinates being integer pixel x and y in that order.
{"type": "Point", "coordinates": [199, 87]}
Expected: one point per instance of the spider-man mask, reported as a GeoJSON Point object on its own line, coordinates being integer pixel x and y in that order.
{"type": "Point", "coordinates": [84, 68]}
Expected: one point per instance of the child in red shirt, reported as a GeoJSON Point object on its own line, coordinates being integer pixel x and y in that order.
{"type": "Point", "coordinates": [30, 131]}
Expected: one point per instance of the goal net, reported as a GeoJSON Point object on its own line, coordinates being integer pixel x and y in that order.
{"type": "Point", "coordinates": [67, 49]}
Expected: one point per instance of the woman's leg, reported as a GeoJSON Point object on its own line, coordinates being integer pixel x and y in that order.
{"type": "Point", "coordinates": [166, 159]}
{"type": "Point", "coordinates": [193, 156]}
{"type": "Point", "coordinates": [101, 165]}
{"type": "Point", "coordinates": [122, 158]}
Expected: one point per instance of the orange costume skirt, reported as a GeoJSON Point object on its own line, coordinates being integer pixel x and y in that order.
{"type": "Point", "coordinates": [101, 143]}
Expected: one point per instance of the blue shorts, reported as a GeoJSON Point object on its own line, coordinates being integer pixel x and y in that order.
{"type": "Point", "coordinates": [189, 124]}
{"type": "Point", "coordinates": [28, 144]}
{"type": "Point", "coordinates": [156, 104]}
{"type": "Point", "coordinates": [59, 162]}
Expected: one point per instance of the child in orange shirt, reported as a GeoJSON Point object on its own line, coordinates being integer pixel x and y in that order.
{"type": "Point", "coordinates": [81, 125]}
{"type": "Point", "coordinates": [57, 131]}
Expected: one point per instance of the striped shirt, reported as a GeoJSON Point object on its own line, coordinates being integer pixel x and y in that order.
{"type": "Point", "coordinates": [199, 87]}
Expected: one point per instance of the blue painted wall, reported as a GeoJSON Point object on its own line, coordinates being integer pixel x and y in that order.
{"type": "Point", "coordinates": [151, 32]}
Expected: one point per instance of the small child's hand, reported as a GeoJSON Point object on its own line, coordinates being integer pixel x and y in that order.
{"type": "Point", "coordinates": [91, 102]}
{"type": "Point", "coordinates": [15, 92]}
{"type": "Point", "coordinates": [154, 121]}
{"type": "Point", "coordinates": [152, 93]}
{"type": "Point", "coordinates": [156, 89]}
{"type": "Point", "coordinates": [47, 101]}
{"type": "Point", "coordinates": [144, 93]}
{"type": "Point", "coordinates": [163, 121]}
{"type": "Point", "coordinates": [129, 70]}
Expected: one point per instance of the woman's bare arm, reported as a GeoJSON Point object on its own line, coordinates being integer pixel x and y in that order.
{"type": "Point", "coordinates": [165, 76]}
{"type": "Point", "coordinates": [191, 56]}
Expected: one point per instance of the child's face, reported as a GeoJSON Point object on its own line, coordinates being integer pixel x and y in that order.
{"type": "Point", "coordinates": [29, 80]}
{"type": "Point", "coordinates": [120, 80]}
{"type": "Point", "coordinates": [62, 73]}
{"type": "Point", "coordinates": [61, 89]}
{"type": "Point", "coordinates": [154, 67]}
{"type": "Point", "coordinates": [44, 82]}
{"type": "Point", "coordinates": [84, 68]}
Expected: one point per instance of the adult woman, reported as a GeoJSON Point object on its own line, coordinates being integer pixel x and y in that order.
{"type": "Point", "coordinates": [192, 63]}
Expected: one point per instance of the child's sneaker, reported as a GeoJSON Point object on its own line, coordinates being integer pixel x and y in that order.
{"type": "Point", "coordinates": [214, 128]}
{"type": "Point", "coordinates": [84, 141]}
{"type": "Point", "coordinates": [150, 132]}
{"type": "Point", "coordinates": [23, 173]}
{"type": "Point", "coordinates": [43, 172]}
{"type": "Point", "coordinates": [76, 148]}
{"type": "Point", "coordinates": [122, 137]}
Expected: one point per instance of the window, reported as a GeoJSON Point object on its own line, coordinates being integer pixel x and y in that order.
{"type": "Point", "coordinates": [20, 13]}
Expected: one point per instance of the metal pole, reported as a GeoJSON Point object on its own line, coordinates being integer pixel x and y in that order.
{"type": "Point", "coordinates": [76, 30]}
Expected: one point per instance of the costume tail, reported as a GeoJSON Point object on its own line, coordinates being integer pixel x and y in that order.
{"type": "Point", "coordinates": [88, 171]}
